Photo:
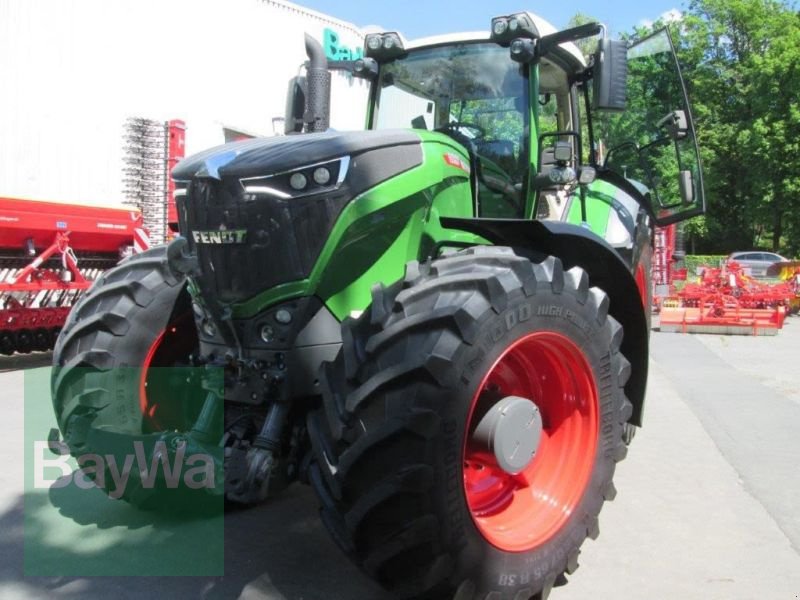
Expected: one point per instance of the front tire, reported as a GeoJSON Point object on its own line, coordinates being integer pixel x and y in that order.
{"type": "Point", "coordinates": [404, 491]}
{"type": "Point", "coordinates": [134, 317]}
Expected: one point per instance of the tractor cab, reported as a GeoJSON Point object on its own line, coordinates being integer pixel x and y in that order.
{"type": "Point", "coordinates": [550, 133]}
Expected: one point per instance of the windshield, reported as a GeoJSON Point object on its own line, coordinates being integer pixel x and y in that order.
{"type": "Point", "coordinates": [476, 94]}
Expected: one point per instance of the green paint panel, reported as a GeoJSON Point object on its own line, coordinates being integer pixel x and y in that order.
{"type": "Point", "coordinates": [598, 212]}
{"type": "Point", "coordinates": [279, 293]}
{"type": "Point", "coordinates": [384, 228]}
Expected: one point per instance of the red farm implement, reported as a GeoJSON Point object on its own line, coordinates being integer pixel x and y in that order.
{"type": "Point", "coordinates": [667, 256]}
{"type": "Point", "coordinates": [727, 301]}
{"type": "Point", "coordinates": [49, 254]}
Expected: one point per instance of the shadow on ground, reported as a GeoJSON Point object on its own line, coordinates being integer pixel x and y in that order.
{"type": "Point", "coordinates": [277, 551]}
{"type": "Point", "coordinates": [19, 362]}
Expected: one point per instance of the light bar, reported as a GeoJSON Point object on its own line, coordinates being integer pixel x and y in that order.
{"type": "Point", "coordinates": [523, 50]}
{"type": "Point", "coordinates": [519, 25]}
{"type": "Point", "coordinates": [383, 46]}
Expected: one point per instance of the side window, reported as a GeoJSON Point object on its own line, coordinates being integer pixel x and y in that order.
{"type": "Point", "coordinates": [554, 115]}
{"type": "Point", "coordinates": [553, 109]}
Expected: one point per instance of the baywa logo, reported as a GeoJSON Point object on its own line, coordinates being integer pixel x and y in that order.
{"type": "Point", "coordinates": [113, 471]}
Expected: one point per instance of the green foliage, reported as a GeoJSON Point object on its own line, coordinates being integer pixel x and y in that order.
{"type": "Point", "coordinates": [588, 46]}
{"type": "Point", "coordinates": [692, 261]}
{"type": "Point", "coordinates": [742, 61]}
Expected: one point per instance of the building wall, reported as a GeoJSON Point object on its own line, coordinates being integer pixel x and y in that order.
{"type": "Point", "coordinates": [72, 71]}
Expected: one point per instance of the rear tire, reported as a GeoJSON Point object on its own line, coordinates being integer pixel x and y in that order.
{"type": "Point", "coordinates": [41, 340]}
{"type": "Point", "coordinates": [392, 441]}
{"type": "Point", "coordinates": [24, 341]}
{"type": "Point", "coordinates": [7, 344]}
{"type": "Point", "coordinates": [132, 318]}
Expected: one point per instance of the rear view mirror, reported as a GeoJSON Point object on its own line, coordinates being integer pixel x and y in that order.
{"type": "Point", "coordinates": [295, 105]}
{"type": "Point", "coordinates": [610, 75]}
{"type": "Point", "coordinates": [676, 125]}
{"type": "Point", "coordinates": [686, 185]}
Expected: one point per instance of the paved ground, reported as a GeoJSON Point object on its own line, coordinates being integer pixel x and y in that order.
{"type": "Point", "coordinates": [708, 505]}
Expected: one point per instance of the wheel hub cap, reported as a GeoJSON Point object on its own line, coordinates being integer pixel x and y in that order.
{"type": "Point", "coordinates": [511, 431]}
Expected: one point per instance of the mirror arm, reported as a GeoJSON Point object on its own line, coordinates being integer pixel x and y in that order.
{"type": "Point", "coordinates": [548, 42]}
{"type": "Point", "coordinates": [589, 126]}
{"type": "Point", "coordinates": [362, 67]}
{"type": "Point", "coordinates": [342, 65]}
{"type": "Point", "coordinates": [575, 109]}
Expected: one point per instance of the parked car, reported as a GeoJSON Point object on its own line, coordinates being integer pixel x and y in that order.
{"type": "Point", "coordinates": [756, 263]}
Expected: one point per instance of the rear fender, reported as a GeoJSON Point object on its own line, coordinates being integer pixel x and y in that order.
{"type": "Point", "coordinates": [577, 246]}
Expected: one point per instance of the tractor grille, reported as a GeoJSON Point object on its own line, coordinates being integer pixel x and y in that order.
{"type": "Point", "coordinates": [246, 246]}
{"type": "Point", "coordinates": [249, 242]}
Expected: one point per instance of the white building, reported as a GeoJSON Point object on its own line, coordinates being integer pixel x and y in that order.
{"type": "Point", "coordinates": [73, 71]}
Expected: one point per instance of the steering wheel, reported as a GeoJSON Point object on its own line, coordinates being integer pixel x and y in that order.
{"type": "Point", "coordinates": [454, 126]}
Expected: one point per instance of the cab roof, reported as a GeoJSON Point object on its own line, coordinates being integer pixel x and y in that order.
{"type": "Point", "coordinates": [568, 50]}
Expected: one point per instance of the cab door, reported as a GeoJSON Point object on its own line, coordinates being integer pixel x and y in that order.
{"type": "Point", "coordinates": [651, 147]}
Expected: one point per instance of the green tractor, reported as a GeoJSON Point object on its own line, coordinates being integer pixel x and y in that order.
{"type": "Point", "coordinates": [441, 323]}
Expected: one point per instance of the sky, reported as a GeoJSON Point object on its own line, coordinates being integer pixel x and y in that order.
{"type": "Point", "coordinates": [421, 18]}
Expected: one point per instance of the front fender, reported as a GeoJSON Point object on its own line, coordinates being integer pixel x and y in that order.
{"type": "Point", "coordinates": [577, 246]}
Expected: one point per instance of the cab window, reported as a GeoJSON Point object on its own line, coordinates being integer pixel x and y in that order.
{"type": "Point", "coordinates": [477, 95]}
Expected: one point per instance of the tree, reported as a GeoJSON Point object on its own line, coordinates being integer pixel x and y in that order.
{"type": "Point", "coordinates": [588, 46]}
{"type": "Point", "coordinates": [741, 59]}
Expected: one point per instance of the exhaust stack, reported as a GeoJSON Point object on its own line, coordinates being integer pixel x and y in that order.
{"type": "Point", "coordinates": [318, 99]}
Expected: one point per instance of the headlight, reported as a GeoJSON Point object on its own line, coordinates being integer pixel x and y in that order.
{"type": "Point", "coordinates": [506, 28]}
{"type": "Point", "coordinates": [322, 176]}
{"type": "Point", "coordinates": [267, 334]}
{"type": "Point", "coordinates": [302, 181]}
{"type": "Point", "coordinates": [298, 181]}
{"type": "Point", "coordinates": [384, 46]}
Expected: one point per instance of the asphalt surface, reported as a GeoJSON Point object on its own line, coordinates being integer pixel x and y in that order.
{"type": "Point", "coordinates": [708, 505]}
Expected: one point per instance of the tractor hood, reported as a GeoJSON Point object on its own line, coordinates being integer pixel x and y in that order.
{"type": "Point", "coordinates": [263, 156]}
{"type": "Point", "coordinates": [257, 213]}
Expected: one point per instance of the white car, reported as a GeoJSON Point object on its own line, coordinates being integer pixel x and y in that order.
{"type": "Point", "coordinates": [755, 262]}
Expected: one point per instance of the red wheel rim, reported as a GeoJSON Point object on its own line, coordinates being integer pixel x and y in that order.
{"type": "Point", "coordinates": [518, 513]}
{"type": "Point", "coordinates": [641, 283]}
{"type": "Point", "coordinates": [148, 406]}
{"type": "Point", "coordinates": [171, 346]}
